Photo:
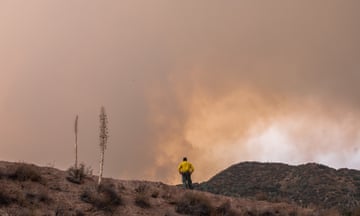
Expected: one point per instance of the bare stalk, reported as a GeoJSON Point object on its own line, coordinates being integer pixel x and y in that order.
{"type": "Point", "coordinates": [76, 141]}
{"type": "Point", "coordinates": [104, 134]}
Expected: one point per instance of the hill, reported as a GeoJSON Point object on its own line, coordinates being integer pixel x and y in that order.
{"type": "Point", "coordinates": [27, 190]}
{"type": "Point", "coordinates": [307, 185]}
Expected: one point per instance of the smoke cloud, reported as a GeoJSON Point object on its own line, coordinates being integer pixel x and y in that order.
{"type": "Point", "coordinates": [218, 82]}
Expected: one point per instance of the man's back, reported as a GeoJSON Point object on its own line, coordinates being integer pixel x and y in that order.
{"type": "Point", "coordinates": [186, 166]}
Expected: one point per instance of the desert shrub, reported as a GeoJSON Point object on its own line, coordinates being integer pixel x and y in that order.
{"type": "Point", "coordinates": [25, 212]}
{"type": "Point", "coordinates": [261, 196]}
{"type": "Point", "coordinates": [194, 204]}
{"type": "Point", "coordinates": [142, 200]}
{"type": "Point", "coordinates": [55, 187]}
{"type": "Point", "coordinates": [109, 194]}
{"type": "Point", "coordinates": [79, 213]}
{"type": "Point", "coordinates": [77, 175]}
{"type": "Point", "coordinates": [141, 197]}
{"type": "Point", "coordinates": [167, 194]}
{"type": "Point", "coordinates": [293, 213]}
{"type": "Point", "coordinates": [5, 199]}
{"type": "Point", "coordinates": [121, 187]}
{"type": "Point", "coordinates": [155, 194]}
{"type": "Point", "coordinates": [328, 212]}
{"type": "Point", "coordinates": [142, 188]}
{"type": "Point", "coordinates": [41, 196]}
{"type": "Point", "coordinates": [267, 213]}
{"type": "Point", "coordinates": [104, 197]}
{"type": "Point", "coordinates": [65, 210]}
{"type": "Point", "coordinates": [26, 172]}
{"type": "Point", "coordinates": [3, 173]}
{"type": "Point", "coordinates": [61, 210]}
{"type": "Point", "coordinates": [13, 197]}
{"type": "Point", "coordinates": [88, 195]}
{"type": "Point", "coordinates": [19, 198]}
{"type": "Point", "coordinates": [224, 210]}
{"type": "Point", "coordinates": [355, 212]}
{"type": "Point", "coordinates": [250, 212]}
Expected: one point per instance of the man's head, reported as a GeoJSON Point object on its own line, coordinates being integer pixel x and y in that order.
{"type": "Point", "coordinates": [184, 159]}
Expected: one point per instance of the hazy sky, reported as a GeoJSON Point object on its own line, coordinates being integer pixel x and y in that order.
{"type": "Point", "coordinates": [218, 81]}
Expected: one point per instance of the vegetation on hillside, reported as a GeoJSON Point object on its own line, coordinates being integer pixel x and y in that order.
{"type": "Point", "coordinates": [307, 185]}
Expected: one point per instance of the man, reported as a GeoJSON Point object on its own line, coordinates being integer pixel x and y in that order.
{"type": "Point", "coordinates": [186, 169]}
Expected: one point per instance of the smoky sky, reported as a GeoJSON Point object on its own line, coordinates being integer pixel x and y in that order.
{"type": "Point", "coordinates": [218, 81]}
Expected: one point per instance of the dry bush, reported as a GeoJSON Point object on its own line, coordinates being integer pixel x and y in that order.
{"type": "Point", "coordinates": [5, 199]}
{"type": "Point", "coordinates": [61, 209]}
{"type": "Point", "coordinates": [77, 175]}
{"type": "Point", "coordinates": [355, 212]}
{"type": "Point", "coordinates": [8, 197]}
{"type": "Point", "coordinates": [270, 213]}
{"type": "Point", "coordinates": [350, 212]}
{"type": "Point", "coordinates": [167, 194]}
{"type": "Point", "coordinates": [155, 194]}
{"type": "Point", "coordinates": [24, 199]}
{"type": "Point", "coordinates": [79, 213]}
{"type": "Point", "coordinates": [224, 210]}
{"type": "Point", "coordinates": [3, 173]}
{"type": "Point", "coordinates": [88, 195]}
{"type": "Point", "coordinates": [142, 198]}
{"type": "Point", "coordinates": [103, 198]}
{"type": "Point", "coordinates": [250, 211]}
{"type": "Point", "coordinates": [66, 210]}
{"type": "Point", "coordinates": [257, 212]}
{"type": "Point", "coordinates": [194, 204]}
{"type": "Point", "coordinates": [41, 196]}
{"type": "Point", "coordinates": [142, 188]}
{"type": "Point", "coordinates": [26, 212]}
{"type": "Point", "coordinates": [19, 198]}
{"type": "Point", "coordinates": [269, 210]}
{"type": "Point", "coordinates": [26, 172]}
{"type": "Point", "coordinates": [329, 212]}
{"type": "Point", "coordinates": [121, 187]}
{"type": "Point", "coordinates": [261, 196]}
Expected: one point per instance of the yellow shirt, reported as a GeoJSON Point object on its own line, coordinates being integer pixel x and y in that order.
{"type": "Point", "coordinates": [185, 166]}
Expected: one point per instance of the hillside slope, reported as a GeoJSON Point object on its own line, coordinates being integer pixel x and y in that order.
{"type": "Point", "coordinates": [27, 190]}
{"type": "Point", "coordinates": [308, 185]}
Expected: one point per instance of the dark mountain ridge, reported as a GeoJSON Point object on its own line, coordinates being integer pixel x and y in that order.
{"type": "Point", "coordinates": [307, 185]}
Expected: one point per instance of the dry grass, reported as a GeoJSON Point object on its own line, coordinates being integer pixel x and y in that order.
{"type": "Point", "coordinates": [355, 212]}
{"type": "Point", "coordinates": [155, 194]}
{"type": "Point", "coordinates": [105, 197]}
{"type": "Point", "coordinates": [3, 173]}
{"type": "Point", "coordinates": [141, 189]}
{"type": "Point", "coordinates": [63, 209]}
{"type": "Point", "coordinates": [26, 172]}
{"type": "Point", "coordinates": [26, 212]}
{"type": "Point", "coordinates": [142, 200]}
{"type": "Point", "coordinates": [77, 175]}
{"type": "Point", "coordinates": [261, 196]}
{"type": "Point", "coordinates": [224, 210]}
{"type": "Point", "coordinates": [142, 197]}
{"type": "Point", "coordinates": [5, 199]}
{"type": "Point", "coordinates": [28, 198]}
{"type": "Point", "coordinates": [40, 196]}
{"type": "Point", "coordinates": [195, 204]}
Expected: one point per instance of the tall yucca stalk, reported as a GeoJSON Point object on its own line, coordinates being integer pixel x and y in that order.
{"type": "Point", "coordinates": [104, 134]}
{"type": "Point", "coordinates": [76, 140]}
